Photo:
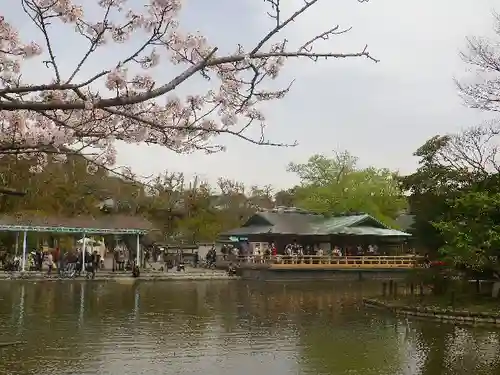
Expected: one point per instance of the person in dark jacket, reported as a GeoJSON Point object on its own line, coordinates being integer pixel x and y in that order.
{"type": "Point", "coordinates": [196, 259]}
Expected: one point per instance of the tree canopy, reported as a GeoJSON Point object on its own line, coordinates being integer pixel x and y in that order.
{"type": "Point", "coordinates": [456, 181]}
{"type": "Point", "coordinates": [338, 185]}
{"type": "Point", "coordinates": [194, 210]}
{"type": "Point", "coordinates": [454, 195]}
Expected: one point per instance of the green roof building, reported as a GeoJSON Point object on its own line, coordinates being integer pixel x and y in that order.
{"type": "Point", "coordinates": [283, 225]}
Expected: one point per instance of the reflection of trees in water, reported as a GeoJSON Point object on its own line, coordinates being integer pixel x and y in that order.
{"type": "Point", "coordinates": [48, 324]}
{"type": "Point", "coordinates": [434, 345]}
{"type": "Point", "coordinates": [475, 350]}
{"type": "Point", "coordinates": [270, 301]}
{"type": "Point", "coordinates": [346, 349]}
{"type": "Point", "coordinates": [52, 327]}
{"type": "Point", "coordinates": [446, 349]}
{"type": "Point", "coordinates": [325, 320]}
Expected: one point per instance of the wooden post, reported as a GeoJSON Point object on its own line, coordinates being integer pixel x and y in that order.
{"type": "Point", "coordinates": [395, 289]}
{"type": "Point", "coordinates": [421, 290]}
{"type": "Point", "coordinates": [412, 289]}
{"type": "Point", "coordinates": [384, 288]}
{"type": "Point", "coordinates": [452, 302]}
{"type": "Point", "coordinates": [391, 287]}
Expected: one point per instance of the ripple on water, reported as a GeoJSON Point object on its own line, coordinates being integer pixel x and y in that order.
{"type": "Point", "coordinates": [226, 328]}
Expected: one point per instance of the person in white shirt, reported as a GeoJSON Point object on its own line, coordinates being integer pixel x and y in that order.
{"type": "Point", "coordinates": [50, 263]}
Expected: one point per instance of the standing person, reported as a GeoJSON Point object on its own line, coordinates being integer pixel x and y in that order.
{"type": "Point", "coordinates": [360, 251]}
{"type": "Point", "coordinates": [300, 253]}
{"type": "Point", "coordinates": [336, 251]}
{"type": "Point", "coordinates": [267, 254]}
{"type": "Point", "coordinates": [179, 257]}
{"type": "Point", "coordinates": [427, 260]}
{"type": "Point", "coordinates": [309, 250]}
{"type": "Point", "coordinates": [121, 260]}
{"type": "Point", "coordinates": [50, 263]}
{"type": "Point", "coordinates": [60, 261]}
{"type": "Point", "coordinates": [274, 250]}
{"type": "Point", "coordinates": [39, 259]}
{"type": "Point", "coordinates": [196, 259]}
{"type": "Point", "coordinates": [114, 266]}
{"type": "Point", "coordinates": [146, 258]}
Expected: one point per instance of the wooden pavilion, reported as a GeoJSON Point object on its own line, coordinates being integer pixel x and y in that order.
{"type": "Point", "coordinates": [284, 225]}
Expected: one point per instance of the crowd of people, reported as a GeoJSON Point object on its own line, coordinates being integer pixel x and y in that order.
{"type": "Point", "coordinates": [294, 248]}
{"type": "Point", "coordinates": [42, 260]}
{"type": "Point", "coordinates": [154, 257]}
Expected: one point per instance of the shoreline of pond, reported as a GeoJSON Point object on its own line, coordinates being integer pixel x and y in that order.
{"type": "Point", "coordinates": [428, 310]}
{"type": "Point", "coordinates": [119, 277]}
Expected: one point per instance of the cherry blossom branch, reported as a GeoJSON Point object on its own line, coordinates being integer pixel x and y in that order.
{"type": "Point", "coordinates": [94, 42]}
{"type": "Point", "coordinates": [166, 88]}
{"type": "Point", "coordinates": [39, 19]}
{"type": "Point", "coordinates": [193, 128]}
{"type": "Point", "coordinates": [63, 114]}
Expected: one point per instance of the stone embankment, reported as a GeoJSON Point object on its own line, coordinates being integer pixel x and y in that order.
{"type": "Point", "coordinates": [105, 275]}
{"type": "Point", "coordinates": [440, 314]}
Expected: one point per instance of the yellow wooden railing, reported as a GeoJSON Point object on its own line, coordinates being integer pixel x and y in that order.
{"type": "Point", "coordinates": [333, 262]}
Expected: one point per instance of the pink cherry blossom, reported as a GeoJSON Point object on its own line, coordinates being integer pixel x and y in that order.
{"type": "Point", "coordinates": [123, 101]}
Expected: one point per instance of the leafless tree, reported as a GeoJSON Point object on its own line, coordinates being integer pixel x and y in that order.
{"type": "Point", "coordinates": [474, 150]}
{"type": "Point", "coordinates": [482, 89]}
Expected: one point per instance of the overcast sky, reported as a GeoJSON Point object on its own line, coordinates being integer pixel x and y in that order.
{"type": "Point", "coordinates": [379, 112]}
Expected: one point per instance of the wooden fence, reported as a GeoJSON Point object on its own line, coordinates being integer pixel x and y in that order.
{"type": "Point", "coordinates": [333, 262]}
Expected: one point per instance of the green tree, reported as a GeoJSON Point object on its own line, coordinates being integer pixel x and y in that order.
{"type": "Point", "coordinates": [471, 230]}
{"type": "Point", "coordinates": [337, 184]}
{"type": "Point", "coordinates": [61, 189]}
{"type": "Point", "coordinates": [449, 165]}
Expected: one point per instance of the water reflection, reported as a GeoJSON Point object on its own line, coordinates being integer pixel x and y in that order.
{"type": "Point", "coordinates": [136, 303]}
{"type": "Point", "coordinates": [226, 328]}
{"type": "Point", "coordinates": [20, 321]}
{"type": "Point", "coordinates": [82, 304]}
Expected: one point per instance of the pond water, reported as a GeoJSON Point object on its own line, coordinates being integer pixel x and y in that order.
{"type": "Point", "coordinates": [227, 327]}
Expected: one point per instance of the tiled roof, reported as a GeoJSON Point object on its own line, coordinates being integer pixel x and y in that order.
{"type": "Point", "coordinates": [371, 231]}
{"type": "Point", "coordinates": [304, 223]}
